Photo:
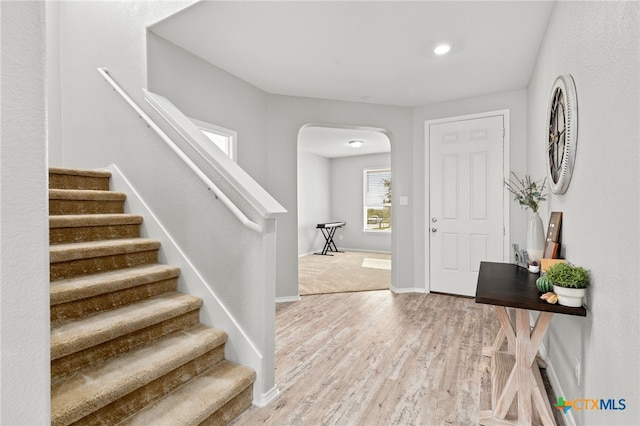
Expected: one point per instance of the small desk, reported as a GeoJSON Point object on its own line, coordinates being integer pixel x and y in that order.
{"type": "Point", "coordinates": [515, 371]}
{"type": "Point", "coordinates": [328, 231]}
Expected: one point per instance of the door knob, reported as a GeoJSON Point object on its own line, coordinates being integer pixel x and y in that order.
{"type": "Point", "coordinates": [434, 220]}
{"type": "Point", "coordinates": [434, 229]}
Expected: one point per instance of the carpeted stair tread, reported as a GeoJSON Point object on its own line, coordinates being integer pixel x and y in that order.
{"type": "Point", "coordinates": [83, 287]}
{"type": "Point", "coordinates": [198, 399]}
{"type": "Point", "coordinates": [90, 249]}
{"type": "Point", "coordinates": [79, 172]}
{"type": "Point", "coordinates": [74, 336]}
{"type": "Point", "coordinates": [86, 391]}
{"type": "Point", "coordinates": [84, 220]}
{"type": "Point", "coordinates": [86, 194]}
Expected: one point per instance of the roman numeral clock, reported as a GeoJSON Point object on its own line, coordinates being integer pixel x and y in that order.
{"type": "Point", "coordinates": [562, 133]}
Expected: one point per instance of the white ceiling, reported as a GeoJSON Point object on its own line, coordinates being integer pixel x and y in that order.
{"type": "Point", "coordinates": [331, 142]}
{"type": "Point", "coordinates": [365, 51]}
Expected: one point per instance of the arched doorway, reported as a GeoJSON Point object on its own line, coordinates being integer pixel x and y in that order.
{"type": "Point", "coordinates": [344, 177]}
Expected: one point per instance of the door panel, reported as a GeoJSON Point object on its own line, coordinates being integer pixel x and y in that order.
{"type": "Point", "coordinates": [466, 215]}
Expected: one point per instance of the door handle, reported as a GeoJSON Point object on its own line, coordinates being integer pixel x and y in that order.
{"type": "Point", "coordinates": [434, 229]}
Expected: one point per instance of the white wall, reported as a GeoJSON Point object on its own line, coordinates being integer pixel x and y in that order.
{"type": "Point", "coordinates": [207, 93]}
{"type": "Point", "coordinates": [516, 102]}
{"type": "Point", "coordinates": [287, 116]}
{"type": "Point", "coordinates": [24, 246]}
{"type": "Point", "coordinates": [314, 201]}
{"type": "Point", "coordinates": [346, 202]}
{"type": "Point", "coordinates": [597, 43]}
{"type": "Point", "coordinates": [54, 99]}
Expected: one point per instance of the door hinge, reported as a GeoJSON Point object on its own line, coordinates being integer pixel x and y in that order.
{"type": "Point", "coordinates": [504, 132]}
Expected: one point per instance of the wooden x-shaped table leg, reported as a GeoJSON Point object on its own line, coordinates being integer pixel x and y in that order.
{"type": "Point", "coordinates": [524, 379]}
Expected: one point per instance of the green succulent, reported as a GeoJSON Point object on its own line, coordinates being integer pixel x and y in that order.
{"type": "Point", "coordinates": [568, 275]}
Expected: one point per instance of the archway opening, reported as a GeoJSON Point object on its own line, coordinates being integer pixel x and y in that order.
{"type": "Point", "coordinates": [345, 192]}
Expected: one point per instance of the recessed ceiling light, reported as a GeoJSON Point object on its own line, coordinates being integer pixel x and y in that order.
{"type": "Point", "coordinates": [355, 143]}
{"type": "Point", "coordinates": [442, 49]}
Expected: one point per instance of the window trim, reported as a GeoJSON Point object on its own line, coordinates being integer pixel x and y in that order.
{"type": "Point", "coordinates": [212, 128]}
{"type": "Point", "coordinates": [364, 201]}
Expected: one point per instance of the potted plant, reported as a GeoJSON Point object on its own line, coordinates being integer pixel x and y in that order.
{"type": "Point", "coordinates": [569, 283]}
{"type": "Point", "coordinates": [529, 194]}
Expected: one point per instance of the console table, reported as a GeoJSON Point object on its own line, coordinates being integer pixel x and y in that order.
{"type": "Point", "coordinates": [515, 373]}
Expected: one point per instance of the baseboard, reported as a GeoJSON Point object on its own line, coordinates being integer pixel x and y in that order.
{"type": "Point", "coordinates": [555, 384]}
{"type": "Point", "coordinates": [267, 397]}
{"type": "Point", "coordinates": [407, 290]}
{"type": "Point", "coordinates": [347, 249]}
{"type": "Point", "coordinates": [287, 299]}
{"type": "Point", "coordinates": [214, 313]}
{"type": "Point", "coordinates": [363, 250]}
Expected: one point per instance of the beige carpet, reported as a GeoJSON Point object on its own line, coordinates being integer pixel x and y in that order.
{"type": "Point", "coordinates": [344, 272]}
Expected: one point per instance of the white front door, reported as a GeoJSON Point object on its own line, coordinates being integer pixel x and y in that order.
{"type": "Point", "coordinates": [466, 219]}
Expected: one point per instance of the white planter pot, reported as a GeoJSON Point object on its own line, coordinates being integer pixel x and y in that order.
{"type": "Point", "coordinates": [569, 296]}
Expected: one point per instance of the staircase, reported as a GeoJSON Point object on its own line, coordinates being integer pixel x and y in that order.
{"type": "Point", "coordinates": [126, 347]}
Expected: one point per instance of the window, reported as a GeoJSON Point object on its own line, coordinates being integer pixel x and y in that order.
{"type": "Point", "coordinates": [377, 200]}
{"type": "Point", "coordinates": [224, 139]}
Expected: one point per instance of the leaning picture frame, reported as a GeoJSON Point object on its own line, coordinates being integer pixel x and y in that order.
{"type": "Point", "coordinates": [555, 225]}
{"type": "Point", "coordinates": [551, 250]}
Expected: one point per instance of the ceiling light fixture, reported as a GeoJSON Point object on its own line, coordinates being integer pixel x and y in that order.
{"type": "Point", "coordinates": [356, 143]}
{"type": "Point", "coordinates": [442, 49]}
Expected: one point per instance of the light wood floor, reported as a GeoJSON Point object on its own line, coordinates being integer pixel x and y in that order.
{"type": "Point", "coordinates": [375, 358]}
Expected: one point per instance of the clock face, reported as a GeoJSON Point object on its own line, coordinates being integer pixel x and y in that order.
{"type": "Point", "coordinates": [562, 132]}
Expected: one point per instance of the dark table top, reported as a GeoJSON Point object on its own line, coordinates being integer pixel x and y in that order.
{"type": "Point", "coordinates": [506, 284]}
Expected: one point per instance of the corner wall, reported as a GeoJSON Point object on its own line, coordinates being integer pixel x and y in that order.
{"type": "Point", "coordinates": [314, 202]}
{"type": "Point", "coordinates": [598, 44]}
{"type": "Point", "coordinates": [24, 225]}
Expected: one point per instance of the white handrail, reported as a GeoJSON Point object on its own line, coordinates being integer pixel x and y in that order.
{"type": "Point", "coordinates": [210, 185]}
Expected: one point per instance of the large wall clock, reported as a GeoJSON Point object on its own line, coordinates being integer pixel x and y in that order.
{"type": "Point", "coordinates": [562, 133]}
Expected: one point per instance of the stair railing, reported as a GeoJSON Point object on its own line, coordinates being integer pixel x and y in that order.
{"type": "Point", "coordinates": [204, 178]}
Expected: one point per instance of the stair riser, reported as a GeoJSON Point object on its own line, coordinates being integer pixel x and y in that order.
{"type": "Point", "coordinates": [92, 233]}
{"type": "Point", "coordinates": [60, 181]}
{"type": "Point", "coordinates": [103, 302]}
{"type": "Point", "coordinates": [139, 398]}
{"type": "Point", "coordinates": [79, 267]}
{"type": "Point", "coordinates": [64, 207]}
{"type": "Point", "coordinates": [231, 409]}
{"type": "Point", "coordinates": [79, 360]}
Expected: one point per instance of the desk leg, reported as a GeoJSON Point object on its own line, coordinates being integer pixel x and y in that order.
{"type": "Point", "coordinates": [522, 380]}
{"type": "Point", "coordinates": [506, 331]}
{"type": "Point", "coordinates": [523, 366]}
